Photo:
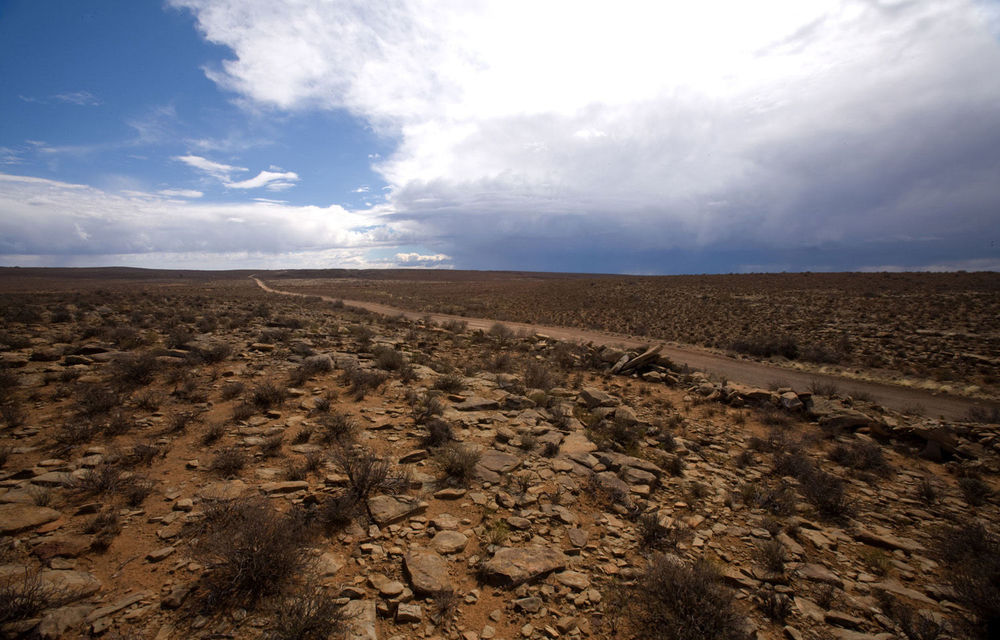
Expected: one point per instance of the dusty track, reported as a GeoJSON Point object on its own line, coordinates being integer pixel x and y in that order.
{"type": "Point", "coordinates": [742, 371]}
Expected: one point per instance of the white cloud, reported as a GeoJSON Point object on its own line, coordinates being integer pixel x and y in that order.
{"type": "Point", "coordinates": [70, 222]}
{"type": "Point", "coordinates": [417, 260]}
{"type": "Point", "coordinates": [81, 98]}
{"type": "Point", "coordinates": [362, 189]}
{"type": "Point", "coordinates": [273, 181]}
{"type": "Point", "coordinates": [214, 169]}
{"type": "Point", "coordinates": [810, 122]}
{"type": "Point", "coordinates": [180, 193]}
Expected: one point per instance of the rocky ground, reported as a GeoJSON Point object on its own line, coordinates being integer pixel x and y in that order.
{"type": "Point", "coordinates": [931, 330]}
{"type": "Point", "coordinates": [214, 462]}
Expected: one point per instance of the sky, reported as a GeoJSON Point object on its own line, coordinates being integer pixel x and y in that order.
{"type": "Point", "coordinates": [607, 137]}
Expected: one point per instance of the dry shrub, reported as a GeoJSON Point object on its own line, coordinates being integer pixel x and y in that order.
{"type": "Point", "coordinates": [654, 536]}
{"type": "Point", "coordinates": [424, 406]}
{"type": "Point", "coordinates": [271, 446]}
{"type": "Point", "coordinates": [243, 411]}
{"type": "Point", "coordinates": [450, 383]}
{"type": "Point", "coordinates": [337, 427]}
{"type": "Point", "coordinates": [439, 432]}
{"type": "Point", "coordinates": [232, 390]}
{"type": "Point", "coordinates": [362, 381]}
{"type": "Point", "coordinates": [94, 400]}
{"type": "Point", "coordinates": [229, 461]}
{"type": "Point", "coordinates": [368, 474]}
{"type": "Point", "coordinates": [388, 359]}
{"type": "Point", "coordinates": [103, 479]}
{"type": "Point", "coordinates": [539, 376]}
{"type": "Point", "coordinates": [974, 490]}
{"type": "Point", "coordinates": [267, 395]}
{"type": "Point", "coordinates": [681, 601]}
{"type": "Point", "coordinates": [251, 551]}
{"type": "Point", "coordinates": [306, 615]}
{"type": "Point", "coordinates": [134, 370]}
{"type": "Point", "coordinates": [458, 462]}
{"type": "Point", "coordinates": [863, 456]}
{"type": "Point", "coordinates": [23, 596]}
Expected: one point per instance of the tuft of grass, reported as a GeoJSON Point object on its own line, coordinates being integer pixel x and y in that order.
{"type": "Point", "coordinates": [23, 596]}
{"type": "Point", "coordinates": [439, 433]}
{"type": "Point", "coordinates": [450, 383]}
{"type": "Point", "coordinates": [458, 462]}
{"type": "Point", "coordinates": [674, 599]}
{"type": "Point", "coordinates": [267, 395]}
{"type": "Point", "coordinates": [251, 551]}
{"type": "Point", "coordinates": [229, 461]}
{"type": "Point", "coordinates": [306, 615]}
{"type": "Point", "coordinates": [337, 427]}
{"type": "Point", "coordinates": [970, 555]}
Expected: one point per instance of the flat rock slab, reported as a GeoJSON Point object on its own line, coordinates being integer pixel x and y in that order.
{"type": "Point", "coordinates": [15, 517]}
{"type": "Point", "coordinates": [498, 461]}
{"type": "Point", "coordinates": [223, 490]}
{"type": "Point", "coordinates": [449, 542]}
{"type": "Point", "coordinates": [54, 479]}
{"type": "Point", "coordinates": [881, 537]}
{"type": "Point", "coordinates": [476, 403]}
{"type": "Point", "coordinates": [68, 546]}
{"type": "Point", "coordinates": [594, 397]}
{"type": "Point", "coordinates": [76, 583]}
{"type": "Point", "coordinates": [287, 486]}
{"type": "Point", "coordinates": [819, 573]}
{"type": "Point", "coordinates": [511, 566]}
{"type": "Point", "coordinates": [428, 571]}
{"type": "Point", "coordinates": [359, 620]}
{"type": "Point", "coordinates": [389, 509]}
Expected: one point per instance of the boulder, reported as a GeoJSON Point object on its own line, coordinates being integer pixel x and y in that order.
{"type": "Point", "coordinates": [427, 570]}
{"type": "Point", "coordinates": [387, 509]}
{"type": "Point", "coordinates": [16, 517]}
{"type": "Point", "coordinates": [512, 566]}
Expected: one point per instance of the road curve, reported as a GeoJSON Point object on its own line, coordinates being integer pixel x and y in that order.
{"type": "Point", "coordinates": [748, 372]}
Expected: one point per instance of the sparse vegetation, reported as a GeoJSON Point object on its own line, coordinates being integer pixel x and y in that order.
{"type": "Point", "coordinates": [681, 601]}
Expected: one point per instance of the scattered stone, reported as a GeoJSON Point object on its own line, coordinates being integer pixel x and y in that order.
{"type": "Point", "coordinates": [427, 570]}
{"type": "Point", "coordinates": [447, 542]}
{"type": "Point", "coordinates": [387, 509]}
{"type": "Point", "coordinates": [359, 620]}
{"type": "Point", "coordinates": [160, 554]}
{"type": "Point", "coordinates": [512, 566]}
{"type": "Point", "coordinates": [409, 612]}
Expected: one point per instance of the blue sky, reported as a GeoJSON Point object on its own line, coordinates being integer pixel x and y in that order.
{"type": "Point", "coordinates": [602, 137]}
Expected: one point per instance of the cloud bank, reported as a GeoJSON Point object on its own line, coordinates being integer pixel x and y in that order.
{"type": "Point", "coordinates": [774, 124]}
{"type": "Point", "coordinates": [625, 136]}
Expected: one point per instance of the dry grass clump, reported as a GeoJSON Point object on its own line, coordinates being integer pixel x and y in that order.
{"type": "Point", "coordinates": [307, 614]}
{"type": "Point", "coordinates": [450, 383]}
{"type": "Point", "coordinates": [23, 596]}
{"type": "Point", "coordinates": [134, 370]}
{"type": "Point", "coordinates": [970, 554]}
{"type": "Point", "coordinates": [681, 601]}
{"type": "Point", "coordinates": [251, 551]}
{"type": "Point", "coordinates": [267, 395]}
{"type": "Point", "coordinates": [362, 381]}
{"type": "Point", "coordinates": [337, 427]}
{"type": "Point", "coordinates": [439, 433]}
{"type": "Point", "coordinates": [458, 462]}
{"type": "Point", "coordinates": [229, 461]}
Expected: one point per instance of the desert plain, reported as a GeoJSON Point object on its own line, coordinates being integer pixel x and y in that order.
{"type": "Point", "coordinates": [440, 454]}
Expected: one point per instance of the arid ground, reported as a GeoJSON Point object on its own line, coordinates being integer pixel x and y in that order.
{"type": "Point", "coordinates": [185, 454]}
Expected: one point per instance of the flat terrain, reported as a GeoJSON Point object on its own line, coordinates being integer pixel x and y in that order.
{"type": "Point", "coordinates": [935, 331]}
{"type": "Point", "coordinates": [186, 455]}
{"type": "Point", "coordinates": [760, 374]}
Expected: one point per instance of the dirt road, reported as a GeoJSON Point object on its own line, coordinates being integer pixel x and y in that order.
{"type": "Point", "coordinates": [746, 372]}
